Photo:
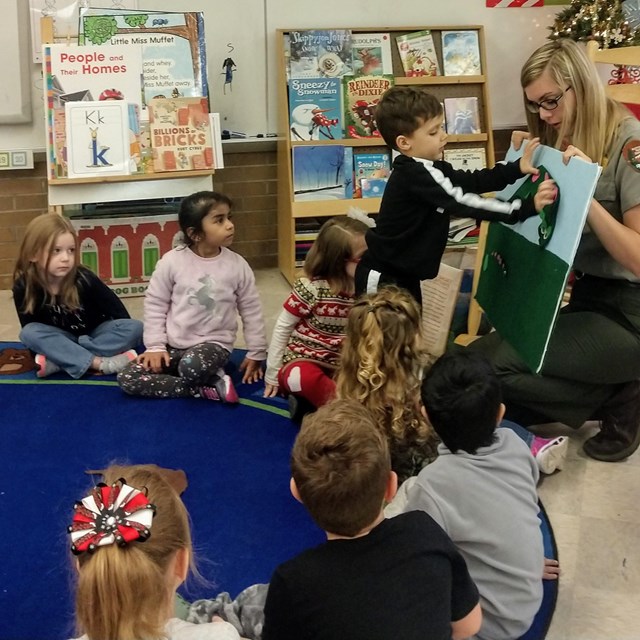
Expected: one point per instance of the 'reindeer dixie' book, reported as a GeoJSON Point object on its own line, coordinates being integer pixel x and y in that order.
{"type": "Point", "coordinates": [180, 133]}
{"type": "Point", "coordinates": [361, 95]}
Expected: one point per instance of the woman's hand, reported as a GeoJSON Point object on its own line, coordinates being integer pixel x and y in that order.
{"type": "Point", "coordinates": [517, 137]}
{"type": "Point", "coordinates": [526, 162]}
{"type": "Point", "coordinates": [546, 194]}
{"type": "Point", "coordinates": [270, 390]}
{"type": "Point", "coordinates": [574, 152]}
{"type": "Point", "coordinates": [154, 361]}
{"type": "Point", "coordinates": [252, 370]}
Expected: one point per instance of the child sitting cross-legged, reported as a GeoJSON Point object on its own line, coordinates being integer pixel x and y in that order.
{"type": "Point", "coordinates": [191, 310]}
{"type": "Point", "coordinates": [482, 491]}
{"type": "Point", "coordinates": [374, 578]}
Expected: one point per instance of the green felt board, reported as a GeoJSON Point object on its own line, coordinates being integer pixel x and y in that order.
{"type": "Point", "coordinates": [522, 295]}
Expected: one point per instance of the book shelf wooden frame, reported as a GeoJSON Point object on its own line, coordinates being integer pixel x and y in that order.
{"type": "Point", "coordinates": [441, 86]}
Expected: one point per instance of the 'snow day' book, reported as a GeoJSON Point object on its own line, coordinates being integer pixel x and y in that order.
{"type": "Point", "coordinates": [180, 133]}
{"type": "Point", "coordinates": [360, 98]}
{"type": "Point", "coordinates": [315, 108]}
{"type": "Point", "coordinates": [371, 171]}
{"type": "Point", "coordinates": [322, 172]}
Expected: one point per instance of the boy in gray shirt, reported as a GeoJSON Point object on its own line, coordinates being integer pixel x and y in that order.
{"type": "Point", "coordinates": [482, 491]}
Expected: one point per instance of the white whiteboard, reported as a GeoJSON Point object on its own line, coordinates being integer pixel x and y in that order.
{"type": "Point", "coordinates": [249, 26]}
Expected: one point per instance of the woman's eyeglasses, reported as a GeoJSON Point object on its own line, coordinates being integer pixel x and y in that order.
{"type": "Point", "coordinates": [548, 105]}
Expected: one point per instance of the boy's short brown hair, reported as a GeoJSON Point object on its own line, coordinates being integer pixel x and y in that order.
{"type": "Point", "coordinates": [402, 110]}
{"type": "Point", "coordinates": [341, 465]}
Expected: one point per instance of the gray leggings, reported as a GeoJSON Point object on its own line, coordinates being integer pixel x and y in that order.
{"type": "Point", "coordinates": [188, 370]}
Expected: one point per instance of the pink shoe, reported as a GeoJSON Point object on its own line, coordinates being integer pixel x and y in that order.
{"type": "Point", "coordinates": [221, 391]}
{"type": "Point", "coordinates": [46, 367]}
{"type": "Point", "coordinates": [550, 453]}
{"type": "Point", "coordinates": [226, 390]}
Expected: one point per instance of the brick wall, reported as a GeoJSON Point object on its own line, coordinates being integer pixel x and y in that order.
{"type": "Point", "coordinates": [249, 179]}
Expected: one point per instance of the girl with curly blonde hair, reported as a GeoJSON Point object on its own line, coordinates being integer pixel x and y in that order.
{"type": "Point", "coordinates": [381, 362]}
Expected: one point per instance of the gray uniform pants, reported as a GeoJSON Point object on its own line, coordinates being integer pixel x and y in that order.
{"type": "Point", "coordinates": [594, 348]}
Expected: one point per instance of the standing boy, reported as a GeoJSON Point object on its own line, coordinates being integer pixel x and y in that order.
{"type": "Point", "coordinates": [423, 192]}
{"type": "Point", "coordinates": [482, 491]}
{"type": "Point", "coordinates": [373, 579]}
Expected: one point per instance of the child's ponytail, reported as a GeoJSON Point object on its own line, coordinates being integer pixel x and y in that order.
{"type": "Point", "coordinates": [125, 592]}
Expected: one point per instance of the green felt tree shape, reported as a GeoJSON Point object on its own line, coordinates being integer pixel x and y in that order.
{"type": "Point", "coordinates": [606, 21]}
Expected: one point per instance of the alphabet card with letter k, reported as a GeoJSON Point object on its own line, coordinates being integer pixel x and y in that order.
{"type": "Point", "coordinates": [97, 139]}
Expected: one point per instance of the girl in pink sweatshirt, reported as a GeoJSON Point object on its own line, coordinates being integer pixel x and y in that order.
{"type": "Point", "coordinates": [191, 311]}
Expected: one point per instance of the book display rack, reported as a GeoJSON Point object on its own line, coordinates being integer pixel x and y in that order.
{"type": "Point", "coordinates": [322, 120]}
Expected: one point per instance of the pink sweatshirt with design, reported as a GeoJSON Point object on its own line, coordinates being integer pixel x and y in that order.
{"type": "Point", "coordinates": [191, 300]}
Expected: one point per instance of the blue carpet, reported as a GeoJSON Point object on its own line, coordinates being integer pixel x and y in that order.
{"type": "Point", "coordinates": [236, 460]}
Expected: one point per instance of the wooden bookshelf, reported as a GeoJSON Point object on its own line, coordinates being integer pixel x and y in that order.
{"type": "Point", "coordinates": [441, 86]}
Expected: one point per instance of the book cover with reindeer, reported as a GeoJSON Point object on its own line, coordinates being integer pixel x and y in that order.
{"type": "Point", "coordinates": [315, 109]}
{"type": "Point", "coordinates": [360, 97]}
{"type": "Point", "coordinates": [180, 133]}
{"type": "Point", "coordinates": [371, 54]}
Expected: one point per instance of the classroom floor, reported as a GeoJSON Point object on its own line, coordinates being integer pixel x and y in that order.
{"type": "Point", "coordinates": [593, 508]}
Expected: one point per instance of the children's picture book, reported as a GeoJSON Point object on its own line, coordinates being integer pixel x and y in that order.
{"type": "Point", "coordinates": [523, 279]}
{"type": "Point", "coordinates": [461, 53]}
{"type": "Point", "coordinates": [97, 135]}
{"type": "Point", "coordinates": [372, 187]}
{"type": "Point", "coordinates": [418, 54]}
{"type": "Point", "coordinates": [371, 171]}
{"type": "Point", "coordinates": [87, 74]}
{"type": "Point", "coordinates": [467, 159]}
{"type": "Point", "coordinates": [462, 115]}
{"type": "Point", "coordinates": [371, 54]}
{"type": "Point", "coordinates": [315, 108]}
{"type": "Point", "coordinates": [322, 172]}
{"type": "Point", "coordinates": [360, 97]}
{"type": "Point", "coordinates": [173, 47]}
{"type": "Point", "coordinates": [320, 52]}
{"type": "Point", "coordinates": [180, 133]}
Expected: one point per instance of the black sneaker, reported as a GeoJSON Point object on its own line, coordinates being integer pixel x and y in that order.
{"type": "Point", "coordinates": [298, 408]}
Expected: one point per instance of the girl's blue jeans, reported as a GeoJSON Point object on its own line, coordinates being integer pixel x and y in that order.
{"type": "Point", "coordinates": [74, 354]}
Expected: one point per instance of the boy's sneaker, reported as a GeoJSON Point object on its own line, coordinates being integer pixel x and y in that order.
{"type": "Point", "coordinates": [222, 390]}
{"type": "Point", "coordinates": [115, 364]}
{"type": "Point", "coordinates": [550, 453]}
{"type": "Point", "coordinates": [46, 367]}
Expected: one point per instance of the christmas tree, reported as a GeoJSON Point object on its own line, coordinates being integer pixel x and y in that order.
{"type": "Point", "coordinates": [613, 23]}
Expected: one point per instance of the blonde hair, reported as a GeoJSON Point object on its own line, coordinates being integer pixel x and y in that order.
{"type": "Point", "coordinates": [331, 250]}
{"type": "Point", "coordinates": [340, 463]}
{"type": "Point", "coordinates": [39, 237]}
{"type": "Point", "coordinates": [122, 592]}
{"type": "Point", "coordinates": [381, 359]}
{"type": "Point", "coordinates": [595, 119]}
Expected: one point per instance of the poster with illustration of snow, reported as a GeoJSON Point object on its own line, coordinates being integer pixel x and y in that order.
{"type": "Point", "coordinates": [526, 266]}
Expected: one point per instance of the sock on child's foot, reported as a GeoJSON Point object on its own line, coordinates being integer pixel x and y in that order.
{"type": "Point", "coordinates": [550, 453]}
{"type": "Point", "coordinates": [115, 364]}
{"type": "Point", "coordinates": [46, 367]}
